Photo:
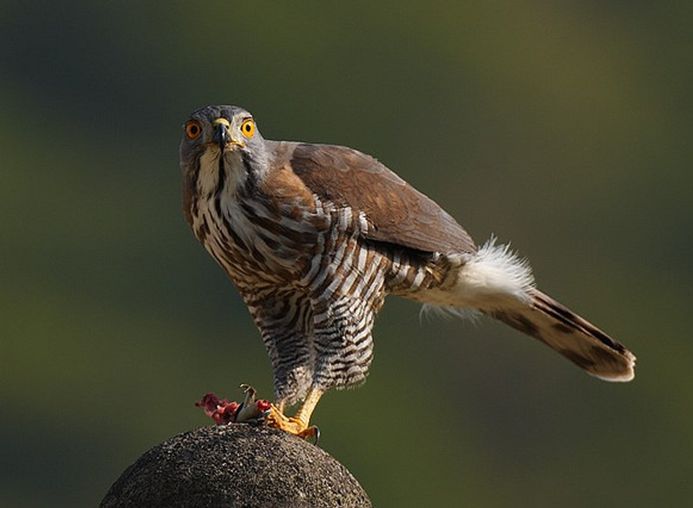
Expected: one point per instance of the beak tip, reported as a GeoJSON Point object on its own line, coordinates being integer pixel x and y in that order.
{"type": "Point", "coordinates": [221, 133]}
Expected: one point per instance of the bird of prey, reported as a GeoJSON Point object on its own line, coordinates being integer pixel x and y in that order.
{"type": "Point", "coordinates": [316, 236]}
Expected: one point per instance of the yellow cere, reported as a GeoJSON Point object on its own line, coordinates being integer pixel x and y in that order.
{"type": "Point", "coordinates": [221, 121]}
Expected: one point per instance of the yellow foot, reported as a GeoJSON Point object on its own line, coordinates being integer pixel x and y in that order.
{"type": "Point", "coordinates": [275, 418]}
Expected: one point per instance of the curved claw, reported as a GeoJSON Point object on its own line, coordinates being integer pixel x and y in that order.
{"type": "Point", "coordinates": [278, 420]}
{"type": "Point", "coordinates": [311, 432]}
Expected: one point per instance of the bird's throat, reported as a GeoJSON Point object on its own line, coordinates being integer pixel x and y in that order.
{"type": "Point", "coordinates": [222, 175]}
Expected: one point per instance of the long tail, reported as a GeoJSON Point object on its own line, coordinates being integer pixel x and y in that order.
{"type": "Point", "coordinates": [572, 336]}
{"type": "Point", "coordinates": [499, 284]}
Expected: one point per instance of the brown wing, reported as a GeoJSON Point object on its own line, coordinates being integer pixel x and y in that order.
{"type": "Point", "coordinates": [399, 214]}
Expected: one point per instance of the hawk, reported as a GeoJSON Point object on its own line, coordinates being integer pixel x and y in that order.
{"type": "Point", "coordinates": [316, 236]}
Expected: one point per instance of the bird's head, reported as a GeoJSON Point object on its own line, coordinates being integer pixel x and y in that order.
{"type": "Point", "coordinates": [222, 138]}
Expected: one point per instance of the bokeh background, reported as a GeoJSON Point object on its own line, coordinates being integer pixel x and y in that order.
{"type": "Point", "coordinates": [562, 126]}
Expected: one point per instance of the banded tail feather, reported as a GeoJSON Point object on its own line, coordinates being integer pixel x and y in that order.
{"type": "Point", "coordinates": [496, 282]}
{"type": "Point", "coordinates": [572, 336]}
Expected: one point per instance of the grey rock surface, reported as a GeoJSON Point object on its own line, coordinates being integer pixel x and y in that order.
{"type": "Point", "coordinates": [236, 465]}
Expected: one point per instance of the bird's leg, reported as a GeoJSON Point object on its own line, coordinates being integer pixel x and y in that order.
{"type": "Point", "coordinates": [297, 424]}
{"type": "Point", "coordinates": [310, 402]}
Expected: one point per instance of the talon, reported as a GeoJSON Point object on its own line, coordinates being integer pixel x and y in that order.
{"type": "Point", "coordinates": [255, 411]}
{"type": "Point", "coordinates": [311, 432]}
{"type": "Point", "coordinates": [297, 425]}
{"type": "Point", "coordinates": [278, 420]}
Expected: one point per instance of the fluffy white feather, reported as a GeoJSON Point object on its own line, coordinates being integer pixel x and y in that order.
{"type": "Point", "coordinates": [495, 271]}
{"type": "Point", "coordinates": [493, 277]}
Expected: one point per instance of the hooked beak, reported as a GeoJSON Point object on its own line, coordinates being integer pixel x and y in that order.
{"type": "Point", "coordinates": [221, 132]}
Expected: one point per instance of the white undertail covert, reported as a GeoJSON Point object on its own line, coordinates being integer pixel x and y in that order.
{"type": "Point", "coordinates": [491, 278]}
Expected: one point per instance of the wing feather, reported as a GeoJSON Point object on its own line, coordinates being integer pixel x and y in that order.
{"type": "Point", "coordinates": [399, 214]}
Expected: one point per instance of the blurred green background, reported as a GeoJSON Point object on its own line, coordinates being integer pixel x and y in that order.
{"type": "Point", "coordinates": [562, 126]}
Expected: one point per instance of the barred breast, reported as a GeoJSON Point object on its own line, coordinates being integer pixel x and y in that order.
{"type": "Point", "coordinates": [312, 278]}
{"type": "Point", "coordinates": [308, 244]}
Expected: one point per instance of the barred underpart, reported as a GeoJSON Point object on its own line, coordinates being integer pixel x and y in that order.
{"type": "Point", "coordinates": [316, 236]}
{"type": "Point", "coordinates": [312, 282]}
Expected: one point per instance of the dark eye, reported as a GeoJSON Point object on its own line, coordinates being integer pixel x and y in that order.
{"type": "Point", "coordinates": [248, 128]}
{"type": "Point", "coordinates": [193, 129]}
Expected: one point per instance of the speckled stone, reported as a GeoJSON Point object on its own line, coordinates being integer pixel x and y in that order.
{"type": "Point", "coordinates": [236, 465]}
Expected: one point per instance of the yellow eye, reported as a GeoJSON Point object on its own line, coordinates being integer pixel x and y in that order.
{"type": "Point", "coordinates": [248, 128]}
{"type": "Point", "coordinates": [193, 129]}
